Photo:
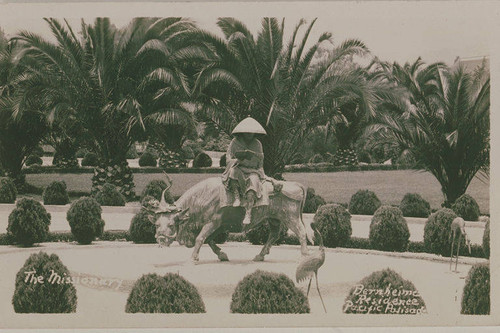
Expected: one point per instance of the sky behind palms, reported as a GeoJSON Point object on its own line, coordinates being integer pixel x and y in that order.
{"type": "Point", "coordinates": [393, 31]}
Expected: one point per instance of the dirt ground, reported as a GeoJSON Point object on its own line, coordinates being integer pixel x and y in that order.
{"type": "Point", "coordinates": [216, 281]}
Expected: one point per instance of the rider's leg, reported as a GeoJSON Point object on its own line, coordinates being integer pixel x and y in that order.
{"type": "Point", "coordinates": [235, 190]}
{"type": "Point", "coordinates": [251, 197]}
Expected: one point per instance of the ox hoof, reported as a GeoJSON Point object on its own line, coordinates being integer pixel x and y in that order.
{"type": "Point", "coordinates": [223, 257]}
{"type": "Point", "coordinates": [193, 261]}
{"type": "Point", "coordinates": [258, 257]}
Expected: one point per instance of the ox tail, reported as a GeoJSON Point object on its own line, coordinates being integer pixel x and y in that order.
{"type": "Point", "coordinates": [307, 225]}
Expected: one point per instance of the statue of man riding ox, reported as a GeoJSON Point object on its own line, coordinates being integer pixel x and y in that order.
{"type": "Point", "coordinates": [199, 209]}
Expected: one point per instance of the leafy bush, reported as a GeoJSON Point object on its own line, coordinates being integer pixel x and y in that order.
{"type": "Point", "coordinates": [345, 157]}
{"type": "Point", "coordinates": [170, 159]}
{"type": "Point", "coordinates": [389, 230]}
{"type": "Point", "coordinates": [317, 158]}
{"type": "Point", "coordinates": [90, 159]}
{"type": "Point", "coordinates": [334, 224]}
{"type": "Point", "coordinates": [466, 207]}
{"type": "Point", "coordinates": [364, 202]}
{"type": "Point", "coordinates": [364, 157]}
{"type": "Point", "coordinates": [476, 295]}
{"type": "Point", "coordinates": [266, 292]}
{"type": "Point", "coordinates": [413, 205]}
{"type": "Point", "coordinates": [80, 153]}
{"type": "Point", "coordinates": [223, 161]}
{"type": "Point", "coordinates": [28, 222]}
{"type": "Point", "coordinates": [202, 160]}
{"type": "Point", "coordinates": [381, 302]}
{"type": "Point", "coordinates": [49, 296]}
{"type": "Point", "coordinates": [437, 233]}
{"type": "Point", "coordinates": [168, 294]}
{"type": "Point", "coordinates": [486, 239]}
{"type": "Point", "coordinates": [155, 188]}
{"type": "Point", "coordinates": [147, 160]}
{"type": "Point", "coordinates": [260, 234]}
{"type": "Point", "coordinates": [109, 196]}
{"type": "Point", "coordinates": [141, 229]}
{"type": "Point", "coordinates": [313, 201]}
{"type": "Point", "coordinates": [8, 191]}
{"type": "Point", "coordinates": [56, 194]}
{"type": "Point", "coordinates": [132, 152]}
{"type": "Point", "coordinates": [118, 174]}
{"type": "Point", "coordinates": [84, 217]}
{"type": "Point", "coordinates": [33, 160]}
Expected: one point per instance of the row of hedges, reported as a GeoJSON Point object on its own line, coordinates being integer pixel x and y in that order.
{"type": "Point", "coordinates": [258, 292]}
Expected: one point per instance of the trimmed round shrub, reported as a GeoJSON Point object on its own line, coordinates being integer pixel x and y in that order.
{"type": "Point", "coordinates": [334, 223]}
{"type": "Point", "coordinates": [466, 207]}
{"type": "Point", "coordinates": [266, 292]}
{"type": "Point", "coordinates": [316, 158]}
{"type": "Point", "coordinates": [33, 160]}
{"type": "Point", "coordinates": [438, 235]}
{"type": "Point", "coordinates": [389, 230]}
{"type": "Point", "coordinates": [48, 297]}
{"type": "Point", "coordinates": [364, 202]}
{"type": "Point", "coordinates": [109, 196]}
{"type": "Point", "coordinates": [56, 194]}
{"type": "Point", "coordinates": [90, 159]}
{"type": "Point", "coordinates": [164, 294]}
{"type": "Point", "coordinates": [223, 161]}
{"type": "Point", "coordinates": [260, 234]}
{"type": "Point", "coordinates": [486, 239]}
{"type": "Point", "coordinates": [84, 217]}
{"type": "Point", "coordinates": [476, 295]}
{"type": "Point", "coordinates": [8, 191]}
{"type": "Point", "coordinates": [359, 302]}
{"type": "Point", "coordinates": [313, 201]}
{"type": "Point", "coordinates": [142, 230]}
{"type": "Point", "coordinates": [155, 188]}
{"type": "Point", "coordinates": [147, 160]}
{"type": "Point", "coordinates": [413, 205]}
{"type": "Point", "coordinates": [202, 160]}
{"type": "Point", "coordinates": [364, 157]}
{"type": "Point", "coordinates": [28, 222]}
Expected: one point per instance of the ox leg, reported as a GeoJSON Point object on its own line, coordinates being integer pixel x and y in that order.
{"type": "Point", "coordinates": [221, 255]}
{"type": "Point", "coordinates": [297, 226]}
{"type": "Point", "coordinates": [274, 229]}
{"type": "Point", "coordinates": [205, 232]}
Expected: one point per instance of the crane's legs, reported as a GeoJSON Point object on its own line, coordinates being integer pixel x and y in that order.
{"type": "Point", "coordinates": [309, 286]}
{"type": "Point", "coordinates": [317, 287]}
{"type": "Point", "coordinates": [451, 255]}
{"type": "Point", "coordinates": [458, 250]}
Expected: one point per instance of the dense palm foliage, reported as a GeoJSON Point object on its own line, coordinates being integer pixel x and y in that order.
{"type": "Point", "coordinates": [277, 83]}
{"type": "Point", "coordinates": [446, 124]}
{"type": "Point", "coordinates": [110, 82]}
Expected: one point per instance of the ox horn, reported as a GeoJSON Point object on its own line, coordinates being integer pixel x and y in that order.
{"type": "Point", "coordinates": [164, 206]}
{"type": "Point", "coordinates": [168, 180]}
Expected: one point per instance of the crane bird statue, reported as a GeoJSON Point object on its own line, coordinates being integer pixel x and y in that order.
{"type": "Point", "coordinates": [309, 265]}
{"type": "Point", "coordinates": [458, 226]}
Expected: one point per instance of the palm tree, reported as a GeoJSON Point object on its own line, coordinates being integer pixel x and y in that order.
{"type": "Point", "coordinates": [445, 124]}
{"type": "Point", "coordinates": [112, 82]}
{"type": "Point", "coordinates": [275, 82]}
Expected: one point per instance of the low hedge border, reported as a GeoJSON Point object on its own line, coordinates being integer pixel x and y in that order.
{"type": "Point", "coordinates": [309, 167]}
{"type": "Point", "coordinates": [354, 242]}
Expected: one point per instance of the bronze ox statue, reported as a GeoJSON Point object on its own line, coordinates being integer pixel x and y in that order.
{"type": "Point", "coordinates": [198, 209]}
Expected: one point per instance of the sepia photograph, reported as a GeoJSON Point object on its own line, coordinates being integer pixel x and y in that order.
{"type": "Point", "coordinates": [248, 164]}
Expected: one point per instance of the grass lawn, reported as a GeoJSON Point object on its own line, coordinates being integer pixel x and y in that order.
{"type": "Point", "coordinates": [390, 186]}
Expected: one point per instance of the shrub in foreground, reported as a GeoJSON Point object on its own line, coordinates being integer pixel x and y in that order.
{"type": "Point", "coordinates": [109, 195]}
{"type": "Point", "coordinates": [437, 233]}
{"type": "Point", "coordinates": [84, 217]}
{"type": "Point", "coordinates": [486, 239]}
{"type": "Point", "coordinates": [147, 159]}
{"type": "Point", "coordinates": [223, 161]}
{"type": "Point", "coordinates": [413, 205]}
{"type": "Point", "coordinates": [333, 222]}
{"type": "Point", "coordinates": [164, 294]}
{"type": "Point", "coordinates": [33, 160]}
{"type": "Point", "coordinates": [466, 207]}
{"type": "Point", "coordinates": [47, 297]}
{"type": "Point", "coordinates": [313, 201]}
{"type": "Point", "coordinates": [90, 159]}
{"type": "Point", "coordinates": [476, 295]}
{"type": "Point", "coordinates": [364, 202]}
{"type": "Point", "coordinates": [56, 194]}
{"type": "Point", "coordinates": [381, 303]}
{"type": "Point", "coordinates": [28, 222]}
{"type": "Point", "coordinates": [389, 230]}
{"type": "Point", "coordinates": [202, 160]}
{"type": "Point", "coordinates": [155, 188]}
{"type": "Point", "coordinates": [266, 292]}
{"type": "Point", "coordinates": [142, 230]}
{"type": "Point", "coordinates": [8, 191]}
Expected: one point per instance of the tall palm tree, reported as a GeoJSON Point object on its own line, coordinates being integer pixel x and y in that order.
{"type": "Point", "coordinates": [276, 82]}
{"type": "Point", "coordinates": [112, 82]}
{"type": "Point", "coordinates": [445, 125]}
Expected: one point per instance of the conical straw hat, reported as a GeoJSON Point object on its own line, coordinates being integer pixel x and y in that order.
{"type": "Point", "coordinates": [249, 125]}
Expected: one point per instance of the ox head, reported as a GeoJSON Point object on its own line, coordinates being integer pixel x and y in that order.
{"type": "Point", "coordinates": [168, 218]}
